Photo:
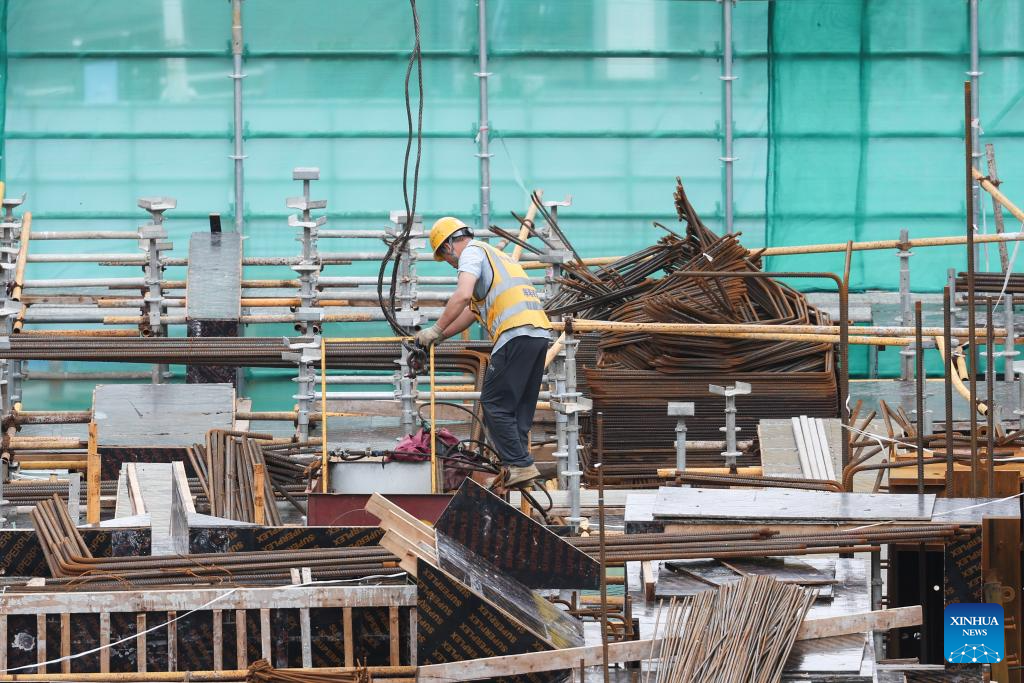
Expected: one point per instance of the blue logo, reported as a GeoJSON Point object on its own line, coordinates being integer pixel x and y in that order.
{"type": "Point", "coordinates": [973, 633]}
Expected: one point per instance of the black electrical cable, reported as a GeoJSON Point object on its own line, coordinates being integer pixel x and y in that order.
{"type": "Point", "coordinates": [425, 421]}
{"type": "Point", "coordinates": [397, 245]}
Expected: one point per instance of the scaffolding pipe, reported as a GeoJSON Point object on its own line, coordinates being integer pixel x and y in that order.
{"type": "Point", "coordinates": [727, 79]}
{"type": "Point", "coordinates": [544, 396]}
{"type": "Point", "coordinates": [839, 247]}
{"type": "Point", "coordinates": [972, 350]}
{"type": "Point", "coordinates": [483, 129]}
{"type": "Point", "coordinates": [86, 235]}
{"type": "Point", "coordinates": [132, 260]}
{"type": "Point", "coordinates": [379, 233]}
{"type": "Point", "coordinates": [390, 379]}
{"type": "Point", "coordinates": [238, 157]}
{"type": "Point", "coordinates": [974, 73]}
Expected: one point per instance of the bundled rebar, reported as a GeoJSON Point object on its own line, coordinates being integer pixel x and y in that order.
{"type": "Point", "coordinates": [741, 633]}
{"type": "Point", "coordinates": [261, 671]}
{"type": "Point", "coordinates": [73, 565]}
{"type": "Point", "coordinates": [227, 469]}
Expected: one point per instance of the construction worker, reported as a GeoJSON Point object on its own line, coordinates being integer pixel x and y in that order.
{"type": "Point", "coordinates": [494, 290]}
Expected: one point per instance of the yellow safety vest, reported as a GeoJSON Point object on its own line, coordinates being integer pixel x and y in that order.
{"type": "Point", "coordinates": [511, 301]}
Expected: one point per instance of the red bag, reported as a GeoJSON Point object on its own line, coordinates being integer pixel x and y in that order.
{"type": "Point", "coordinates": [416, 447]}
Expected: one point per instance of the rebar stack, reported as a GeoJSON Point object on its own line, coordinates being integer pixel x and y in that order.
{"type": "Point", "coordinates": [741, 633]}
{"type": "Point", "coordinates": [763, 542]}
{"type": "Point", "coordinates": [230, 466]}
{"type": "Point", "coordinates": [73, 565]}
{"type": "Point", "coordinates": [636, 374]}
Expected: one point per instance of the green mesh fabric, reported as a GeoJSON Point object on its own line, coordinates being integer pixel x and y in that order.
{"type": "Point", "coordinates": [858, 136]}
{"type": "Point", "coordinates": [866, 128]}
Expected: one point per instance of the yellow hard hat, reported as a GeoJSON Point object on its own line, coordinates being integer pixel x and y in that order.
{"type": "Point", "coordinates": [442, 230]}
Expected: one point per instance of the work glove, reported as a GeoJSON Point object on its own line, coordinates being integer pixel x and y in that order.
{"type": "Point", "coordinates": [428, 337]}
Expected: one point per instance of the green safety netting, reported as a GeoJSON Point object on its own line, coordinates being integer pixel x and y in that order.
{"type": "Point", "coordinates": [867, 128]}
{"type": "Point", "coordinates": [603, 100]}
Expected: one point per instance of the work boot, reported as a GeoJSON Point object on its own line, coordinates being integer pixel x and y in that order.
{"type": "Point", "coordinates": [521, 475]}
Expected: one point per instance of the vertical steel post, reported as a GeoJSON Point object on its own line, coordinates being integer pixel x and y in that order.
{"type": "Point", "coordinates": [484, 126]}
{"type": "Point", "coordinates": [972, 349]}
{"type": "Point", "coordinates": [572, 429]}
{"type": "Point", "coordinates": [919, 395]}
{"type": "Point", "coordinates": [906, 309]}
{"type": "Point", "coordinates": [307, 314]}
{"type": "Point", "coordinates": [876, 600]}
{"type": "Point", "coordinates": [407, 393]}
{"type": "Point", "coordinates": [947, 380]}
{"type": "Point", "coordinates": [990, 395]}
{"type": "Point", "coordinates": [727, 78]}
{"type": "Point", "coordinates": [237, 47]}
{"type": "Point", "coordinates": [921, 553]}
{"type": "Point", "coordinates": [602, 547]}
{"type": "Point", "coordinates": [1009, 347]}
{"type": "Point", "coordinates": [975, 121]}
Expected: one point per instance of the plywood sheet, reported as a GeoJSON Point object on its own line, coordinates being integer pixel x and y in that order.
{"type": "Point", "coordinates": [514, 542]}
{"type": "Point", "coordinates": [161, 415]}
{"type": "Point", "coordinates": [787, 505]}
{"type": "Point", "coordinates": [214, 286]}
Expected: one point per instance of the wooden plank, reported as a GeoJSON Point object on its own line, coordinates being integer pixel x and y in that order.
{"type": "Point", "coordinates": [846, 624]}
{"type": "Point", "coordinates": [1001, 572]}
{"type": "Point", "coordinates": [41, 642]}
{"type": "Point", "coordinates": [403, 549]}
{"type": "Point", "coordinates": [131, 475]}
{"type": "Point", "coordinates": [393, 634]}
{"type": "Point", "coordinates": [305, 638]}
{"type": "Point", "coordinates": [393, 516]}
{"type": "Point", "coordinates": [181, 480]}
{"type": "Point", "coordinates": [92, 478]}
{"type": "Point", "coordinates": [183, 600]}
{"type": "Point", "coordinates": [172, 642]}
{"type": "Point", "coordinates": [65, 643]}
{"type": "Point", "coordinates": [265, 633]}
{"type": "Point", "coordinates": [647, 575]}
{"type": "Point", "coordinates": [350, 657]}
{"type": "Point", "coordinates": [413, 617]}
{"type": "Point", "coordinates": [305, 631]}
{"type": "Point", "coordinates": [241, 642]}
{"type": "Point", "coordinates": [218, 639]}
{"type": "Point", "coordinates": [140, 642]}
{"type": "Point", "coordinates": [636, 650]}
{"type": "Point", "coordinates": [259, 474]}
{"type": "Point", "coordinates": [104, 642]}
{"type": "Point", "coordinates": [535, 662]}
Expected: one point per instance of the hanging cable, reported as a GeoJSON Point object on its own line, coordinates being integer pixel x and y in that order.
{"type": "Point", "coordinates": [397, 246]}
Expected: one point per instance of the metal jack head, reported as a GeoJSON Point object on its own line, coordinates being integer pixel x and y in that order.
{"type": "Point", "coordinates": [738, 389]}
{"type": "Point", "coordinates": [157, 205]}
{"type": "Point", "coordinates": [565, 202]}
{"type": "Point", "coordinates": [680, 409]}
{"type": "Point", "coordinates": [306, 173]}
{"type": "Point", "coordinates": [10, 203]}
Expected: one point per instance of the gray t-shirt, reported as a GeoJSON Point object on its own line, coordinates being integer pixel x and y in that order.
{"type": "Point", "coordinates": [473, 260]}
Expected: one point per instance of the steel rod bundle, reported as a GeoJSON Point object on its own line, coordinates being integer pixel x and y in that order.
{"type": "Point", "coordinates": [73, 565]}
{"type": "Point", "coordinates": [232, 470]}
{"type": "Point", "coordinates": [763, 542]}
{"type": "Point", "coordinates": [741, 633]}
{"type": "Point", "coordinates": [261, 671]}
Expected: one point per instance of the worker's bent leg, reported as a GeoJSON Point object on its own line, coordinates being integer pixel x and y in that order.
{"type": "Point", "coordinates": [504, 385]}
{"type": "Point", "coordinates": [533, 373]}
